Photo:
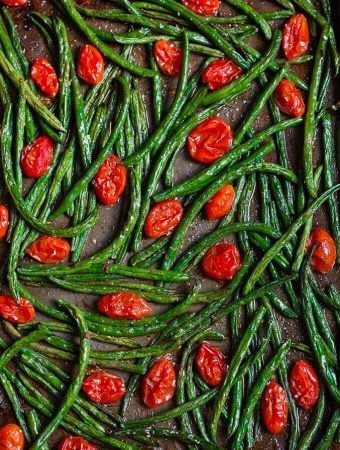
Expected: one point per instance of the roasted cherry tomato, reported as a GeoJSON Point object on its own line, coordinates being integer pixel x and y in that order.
{"type": "Point", "coordinates": [49, 250]}
{"type": "Point", "coordinates": [124, 305]}
{"type": "Point", "coordinates": [221, 262]}
{"type": "Point", "coordinates": [210, 140]}
{"type": "Point", "coordinates": [203, 7]}
{"type": "Point", "coordinates": [11, 437]}
{"type": "Point", "coordinates": [4, 221]}
{"type": "Point", "coordinates": [158, 385]}
{"type": "Point", "coordinates": [13, 2]}
{"type": "Point", "coordinates": [274, 407]}
{"type": "Point", "coordinates": [110, 181]}
{"type": "Point", "coordinates": [295, 39]}
{"type": "Point", "coordinates": [168, 56]}
{"type": "Point", "coordinates": [304, 384]}
{"type": "Point", "coordinates": [45, 77]}
{"type": "Point", "coordinates": [37, 157]}
{"type": "Point", "coordinates": [324, 251]}
{"type": "Point", "coordinates": [21, 312]}
{"type": "Point", "coordinates": [219, 73]}
{"type": "Point", "coordinates": [104, 387]}
{"type": "Point", "coordinates": [289, 99]}
{"type": "Point", "coordinates": [90, 66]}
{"type": "Point", "coordinates": [75, 443]}
{"type": "Point", "coordinates": [221, 203]}
{"type": "Point", "coordinates": [163, 217]}
{"type": "Point", "coordinates": [211, 364]}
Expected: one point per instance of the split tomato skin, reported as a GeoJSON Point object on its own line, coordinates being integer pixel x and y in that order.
{"type": "Point", "coordinates": [211, 364]}
{"type": "Point", "coordinates": [45, 77]}
{"type": "Point", "coordinates": [324, 250]}
{"type": "Point", "coordinates": [11, 437]}
{"type": "Point", "coordinates": [124, 305]}
{"type": "Point", "coordinates": [158, 385]}
{"type": "Point", "coordinates": [90, 64]}
{"type": "Point", "coordinates": [289, 99]}
{"type": "Point", "coordinates": [203, 7]}
{"type": "Point", "coordinates": [75, 443]}
{"type": "Point", "coordinates": [21, 312]}
{"type": "Point", "coordinates": [168, 56]}
{"type": "Point", "coordinates": [4, 221]}
{"type": "Point", "coordinates": [49, 250]}
{"type": "Point", "coordinates": [221, 203]}
{"type": "Point", "coordinates": [110, 181]}
{"type": "Point", "coordinates": [221, 262]}
{"type": "Point", "coordinates": [295, 37]}
{"type": "Point", "coordinates": [304, 384]}
{"type": "Point", "coordinates": [37, 157]}
{"type": "Point", "coordinates": [274, 407]}
{"type": "Point", "coordinates": [163, 218]}
{"type": "Point", "coordinates": [221, 72]}
{"type": "Point", "coordinates": [104, 387]}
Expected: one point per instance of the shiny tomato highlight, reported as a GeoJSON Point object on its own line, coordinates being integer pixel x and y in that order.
{"type": "Point", "coordinates": [221, 203]}
{"type": "Point", "coordinates": [124, 305]}
{"type": "Point", "coordinates": [13, 2]}
{"type": "Point", "coordinates": [158, 385]}
{"type": "Point", "coordinates": [304, 384]}
{"type": "Point", "coordinates": [110, 181]}
{"type": "Point", "coordinates": [11, 437]}
{"type": "Point", "coordinates": [4, 221]}
{"type": "Point", "coordinates": [211, 364]}
{"type": "Point", "coordinates": [274, 407]}
{"type": "Point", "coordinates": [324, 250]}
{"type": "Point", "coordinates": [219, 73]}
{"type": "Point", "coordinates": [21, 312]}
{"type": "Point", "coordinates": [203, 7]}
{"type": "Point", "coordinates": [76, 443]}
{"type": "Point", "coordinates": [289, 99]}
{"type": "Point", "coordinates": [163, 217]}
{"type": "Point", "coordinates": [104, 387]}
{"type": "Point", "coordinates": [168, 56]}
{"type": "Point", "coordinates": [90, 65]}
{"type": "Point", "coordinates": [221, 262]}
{"type": "Point", "coordinates": [295, 38]}
{"type": "Point", "coordinates": [45, 77]}
{"type": "Point", "coordinates": [37, 157]}
{"type": "Point", "coordinates": [49, 250]}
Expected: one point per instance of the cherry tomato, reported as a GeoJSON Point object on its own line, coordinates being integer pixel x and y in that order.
{"type": "Point", "coordinates": [104, 387]}
{"type": "Point", "coordinates": [295, 39]}
{"type": "Point", "coordinates": [21, 312]}
{"type": "Point", "coordinates": [37, 157]}
{"type": "Point", "coordinates": [219, 73]}
{"type": "Point", "coordinates": [13, 2]}
{"type": "Point", "coordinates": [304, 384]}
{"type": "Point", "coordinates": [49, 250]}
{"type": "Point", "coordinates": [211, 364]}
{"type": "Point", "coordinates": [163, 217]}
{"type": "Point", "coordinates": [158, 385]}
{"type": "Point", "coordinates": [11, 437]}
{"type": "Point", "coordinates": [289, 99]}
{"type": "Point", "coordinates": [221, 203]}
{"type": "Point", "coordinates": [90, 66]}
{"type": "Point", "coordinates": [168, 57]}
{"type": "Point", "coordinates": [45, 77]}
{"type": "Point", "coordinates": [75, 443]}
{"type": "Point", "coordinates": [221, 262]}
{"type": "Point", "coordinates": [324, 251]}
{"type": "Point", "coordinates": [124, 305]}
{"type": "Point", "coordinates": [274, 407]}
{"type": "Point", "coordinates": [110, 180]}
{"type": "Point", "coordinates": [4, 221]}
{"type": "Point", "coordinates": [210, 140]}
{"type": "Point", "coordinates": [203, 7]}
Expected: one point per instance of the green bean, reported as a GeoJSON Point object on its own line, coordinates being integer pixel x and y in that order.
{"type": "Point", "coordinates": [327, 439]}
{"type": "Point", "coordinates": [35, 425]}
{"type": "Point", "coordinates": [314, 424]}
{"type": "Point", "coordinates": [146, 274]}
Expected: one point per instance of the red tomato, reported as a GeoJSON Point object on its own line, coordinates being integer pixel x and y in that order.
{"type": "Point", "coordinates": [37, 157]}
{"type": "Point", "coordinates": [210, 140]}
{"type": "Point", "coordinates": [221, 262]}
{"type": "Point", "coordinates": [13, 2]}
{"type": "Point", "coordinates": [168, 57]}
{"type": "Point", "coordinates": [21, 312]}
{"type": "Point", "coordinates": [304, 384]}
{"type": "Point", "coordinates": [289, 99]}
{"type": "Point", "coordinates": [158, 385]}
{"type": "Point", "coordinates": [75, 443]}
{"type": "Point", "coordinates": [324, 251]}
{"type": "Point", "coordinates": [274, 407]}
{"type": "Point", "coordinates": [203, 7]}
{"type": "Point", "coordinates": [211, 364]}
{"type": "Point", "coordinates": [163, 217]}
{"type": "Point", "coordinates": [295, 38]}
{"type": "Point", "coordinates": [221, 203]}
{"type": "Point", "coordinates": [90, 66]}
{"type": "Point", "coordinates": [104, 387]}
{"type": "Point", "coordinates": [110, 180]}
{"type": "Point", "coordinates": [49, 250]}
{"type": "Point", "coordinates": [124, 305]}
{"type": "Point", "coordinates": [4, 221]}
{"type": "Point", "coordinates": [45, 77]}
{"type": "Point", "coordinates": [11, 437]}
{"type": "Point", "coordinates": [219, 73]}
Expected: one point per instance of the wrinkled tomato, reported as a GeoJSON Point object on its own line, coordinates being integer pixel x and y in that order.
{"type": "Point", "coordinates": [49, 250]}
{"type": "Point", "coordinates": [4, 221]}
{"type": "Point", "coordinates": [324, 251]}
{"type": "Point", "coordinates": [11, 437]}
{"type": "Point", "coordinates": [75, 443]}
{"type": "Point", "coordinates": [289, 99]}
{"type": "Point", "coordinates": [158, 385]}
{"type": "Point", "coordinates": [163, 217]}
{"type": "Point", "coordinates": [219, 73]}
{"type": "Point", "coordinates": [221, 203]}
{"type": "Point", "coordinates": [124, 305]}
{"type": "Point", "coordinates": [274, 407]}
{"type": "Point", "coordinates": [211, 364]}
{"type": "Point", "coordinates": [221, 262]}
{"type": "Point", "coordinates": [104, 387]}
{"type": "Point", "coordinates": [168, 56]}
{"type": "Point", "coordinates": [304, 384]}
{"type": "Point", "coordinates": [295, 38]}
{"type": "Point", "coordinates": [45, 77]}
{"type": "Point", "coordinates": [21, 312]}
{"type": "Point", "coordinates": [90, 66]}
{"type": "Point", "coordinates": [37, 157]}
{"type": "Point", "coordinates": [210, 140]}
{"type": "Point", "coordinates": [203, 7]}
{"type": "Point", "coordinates": [110, 181]}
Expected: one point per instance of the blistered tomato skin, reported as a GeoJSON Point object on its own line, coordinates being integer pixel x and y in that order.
{"type": "Point", "coordinates": [203, 7]}
{"type": "Point", "coordinates": [210, 140]}
{"type": "Point", "coordinates": [90, 65]}
{"type": "Point", "coordinates": [37, 157]}
{"type": "Point", "coordinates": [158, 385]}
{"type": "Point", "coordinates": [75, 443]}
{"type": "Point", "coordinates": [295, 38]}
{"type": "Point", "coordinates": [110, 181]}
{"type": "Point", "coordinates": [289, 99]}
{"type": "Point", "coordinates": [323, 250]}
{"type": "Point", "coordinates": [13, 2]}
{"type": "Point", "coordinates": [21, 312]}
{"type": "Point", "coordinates": [168, 56]}
{"type": "Point", "coordinates": [274, 407]}
{"type": "Point", "coordinates": [304, 384]}
{"type": "Point", "coordinates": [219, 73]}
{"type": "Point", "coordinates": [104, 387]}
{"type": "Point", "coordinates": [45, 77]}
{"type": "Point", "coordinates": [221, 262]}
{"type": "Point", "coordinates": [11, 437]}
{"type": "Point", "coordinates": [163, 218]}
{"type": "Point", "coordinates": [221, 203]}
{"type": "Point", "coordinates": [211, 364]}
{"type": "Point", "coordinates": [49, 250]}
{"type": "Point", "coordinates": [124, 305]}
{"type": "Point", "coordinates": [4, 221]}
